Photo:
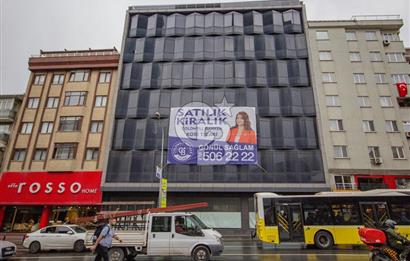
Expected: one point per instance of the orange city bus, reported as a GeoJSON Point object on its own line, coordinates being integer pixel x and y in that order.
{"type": "Point", "coordinates": [328, 218]}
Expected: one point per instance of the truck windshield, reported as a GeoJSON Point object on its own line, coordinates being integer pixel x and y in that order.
{"type": "Point", "coordinates": [199, 222]}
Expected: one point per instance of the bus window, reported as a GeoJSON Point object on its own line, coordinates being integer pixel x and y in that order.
{"type": "Point", "coordinates": [317, 214]}
{"type": "Point", "coordinates": [401, 213]}
{"type": "Point", "coordinates": [345, 214]}
{"type": "Point", "coordinates": [270, 217]}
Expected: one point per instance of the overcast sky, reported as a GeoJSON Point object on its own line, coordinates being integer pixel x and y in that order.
{"type": "Point", "coordinates": [30, 25]}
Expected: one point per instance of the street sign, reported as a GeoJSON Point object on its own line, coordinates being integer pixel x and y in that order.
{"type": "Point", "coordinates": [163, 196]}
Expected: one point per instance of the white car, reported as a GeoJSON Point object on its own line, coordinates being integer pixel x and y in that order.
{"type": "Point", "coordinates": [7, 249]}
{"type": "Point", "coordinates": [57, 237]}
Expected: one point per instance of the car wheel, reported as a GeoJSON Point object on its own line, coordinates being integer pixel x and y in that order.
{"type": "Point", "coordinates": [323, 240]}
{"type": "Point", "coordinates": [201, 253]}
{"type": "Point", "coordinates": [34, 247]}
{"type": "Point", "coordinates": [79, 246]}
{"type": "Point", "coordinates": [116, 254]}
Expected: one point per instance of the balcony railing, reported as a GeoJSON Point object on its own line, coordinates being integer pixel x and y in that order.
{"type": "Point", "coordinates": [74, 54]}
{"type": "Point", "coordinates": [8, 114]}
{"type": "Point", "coordinates": [375, 17]}
{"type": "Point", "coordinates": [345, 186]}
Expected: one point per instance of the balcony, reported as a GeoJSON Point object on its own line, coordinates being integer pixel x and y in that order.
{"type": "Point", "coordinates": [4, 137]}
{"type": "Point", "coordinates": [7, 115]}
{"type": "Point", "coordinates": [339, 187]}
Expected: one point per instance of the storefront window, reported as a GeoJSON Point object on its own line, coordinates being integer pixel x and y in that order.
{"type": "Point", "coordinates": [69, 214]}
{"type": "Point", "coordinates": [22, 219]}
{"type": "Point", "coordinates": [403, 183]}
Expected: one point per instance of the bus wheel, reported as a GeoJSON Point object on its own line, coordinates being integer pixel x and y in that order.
{"type": "Point", "coordinates": [323, 240]}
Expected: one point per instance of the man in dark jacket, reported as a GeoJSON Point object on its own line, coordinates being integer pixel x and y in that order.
{"type": "Point", "coordinates": [395, 240]}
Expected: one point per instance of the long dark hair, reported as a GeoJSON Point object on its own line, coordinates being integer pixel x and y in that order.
{"type": "Point", "coordinates": [245, 117]}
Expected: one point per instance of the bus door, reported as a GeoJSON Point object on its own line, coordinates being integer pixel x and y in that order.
{"type": "Point", "coordinates": [289, 217]}
{"type": "Point", "coordinates": [374, 213]}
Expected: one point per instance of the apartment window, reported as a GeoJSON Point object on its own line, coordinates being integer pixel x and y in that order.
{"type": "Point", "coordinates": [344, 182]}
{"type": "Point", "coordinates": [391, 126]}
{"type": "Point", "coordinates": [26, 128]}
{"type": "Point", "coordinates": [328, 77]}
{"type": "Point", "coordinates": [395, 57]}
{"type": "Point", "coordinates": [39, 79]}
{"type": "Point", "coordinates": [380, 78]}
{"type": "Point", "coordinates": [340, 151]}
{"type": "Point", "coordinates": [19, 154]}
{"type": "Point", "coordinates": [336, 125]}
{"type": "Point", "coordinates": [322, 35]}
{"type": "Point", "coordinates": [58, 79]}
{"type": "Point", "coordinates": [65, 151]}
{"type": "Point", "coordinates": [385, 101]}
{"type": "Point", "coordinates": [100, 101]}
{"type": "Point", "coordinates": [398, 152]}
{"type": "Point", "coordinates": [371, 36]}
{"type": "Point", "coordinates": [359, 78]}
{"type": "Point", "coordinates": [32, 103]}
{"type": "Point", "coordinates": [406, 126]}
{"type": "Point", "coordinates": [332, 101]}
{"type": "Point", "coordinates": [325, 56]}
{"type": "Point", "coordinates": [52, 102]}
{"type": "Point", "coordinates": [75, 98]}
{"type": "Point", "coordinates": [72, 123]}
{"type": "Point", "coordinates": [351, 36]}
{"type": "Point", "coordinates": [375, 57]}
{"type": "Point", "coordinates": [79, 76]}
{"type": "Point", "coordinates": [391, 37]}
{"type": "Point", "coordinates": [364, 101]}
{"type": "Point", "coordinates": [374, 152]}
{"type": "Point", "coordinates": [105, 77]}
{"type": "Point", "coordinates": [400, 78]}
{"type": "Point", "coordinates": [355, 57]}
{"type": "Point", "coordinates": [368, 126]}
{"type": "Point", "coordinates": [92, 154]}
{"type": "Point", "coordinates": [96, 126]}
{"type": "Point", "coordinates": [6, 104]}
{"type": "Point", "coordinates": [47, 127]}
{"type": "Point", "coordinates": [40, 154]}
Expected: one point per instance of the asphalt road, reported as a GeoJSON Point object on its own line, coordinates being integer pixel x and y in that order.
{"type": "Point", "coordinates": [234, 250]}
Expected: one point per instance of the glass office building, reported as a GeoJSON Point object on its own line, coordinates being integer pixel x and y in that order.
{"type": "Point", "coordinates": [255, 54]}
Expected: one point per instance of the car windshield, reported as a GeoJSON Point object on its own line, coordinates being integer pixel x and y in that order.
{"type": "Point", "coordinates": [78, 229]}
{"type": "Point", "coordinates": [199, 222]}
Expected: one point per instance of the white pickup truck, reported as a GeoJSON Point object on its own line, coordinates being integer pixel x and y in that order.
{"type": "Point", "coordinates": [166, 234]}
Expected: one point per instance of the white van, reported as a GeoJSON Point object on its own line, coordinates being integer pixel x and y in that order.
{"type": "Point", "coordinates": [166, 234]}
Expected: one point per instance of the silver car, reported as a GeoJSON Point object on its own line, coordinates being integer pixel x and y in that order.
{"type": "Point", "coordinates": [7, 249]}
{"type": "Point", "coordinates": [59, 237]}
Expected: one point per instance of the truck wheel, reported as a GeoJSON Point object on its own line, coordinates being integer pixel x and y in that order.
{"type": "Point", "coordinates": [116, 254]}
{"type": "Point", "coordinates": [34, 247]}
{"type": "Point", "coordinates": [323, 240]}
{"type": "Point", "coordinates": [79, 246]}
{"type": "Point", "coordinates": [201, 253]}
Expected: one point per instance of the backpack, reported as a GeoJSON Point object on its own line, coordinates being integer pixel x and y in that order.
{"type": "Point", "coordinates": [98, 231]}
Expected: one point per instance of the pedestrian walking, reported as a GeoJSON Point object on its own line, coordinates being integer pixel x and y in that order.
{"type": "Point", "coordinates": [104, 241]}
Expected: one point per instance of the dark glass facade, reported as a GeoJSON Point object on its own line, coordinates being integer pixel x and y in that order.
{"type": "Point", "coordinates": [256, 58]}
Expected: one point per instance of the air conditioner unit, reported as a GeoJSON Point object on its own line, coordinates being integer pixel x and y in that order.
{"type": "Point", "coordinates": [408, 135]}
{"type": "Point", "coordinates": [386, 42]}
{"type": "Point", "coordinates": [377, 161]}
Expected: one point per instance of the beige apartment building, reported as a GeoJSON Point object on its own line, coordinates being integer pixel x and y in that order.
{"type": "Point", "coordinates": [62, 124]}
{"type": "Point", "coordinates": [363, 123]}
{"type": "Point", "coordinates": [53, 165]}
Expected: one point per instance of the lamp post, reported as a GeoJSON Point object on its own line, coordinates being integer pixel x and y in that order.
{"type": "Point", "coordinates": [163, 183]}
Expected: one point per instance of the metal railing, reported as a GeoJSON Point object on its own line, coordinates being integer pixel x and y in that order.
{"type": "Point", "coordinates": [345, 186]}
{"type": "Point", "coordinates": [375, 17]}
{"type": "Point", "coordinates": [73, 54]}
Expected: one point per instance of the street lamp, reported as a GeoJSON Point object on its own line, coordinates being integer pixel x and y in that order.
{"type": "Point", "coordinates": [163, 183]}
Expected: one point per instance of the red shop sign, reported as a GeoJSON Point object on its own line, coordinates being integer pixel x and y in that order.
{"type": "Point", "coordinates": [45, 188]}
